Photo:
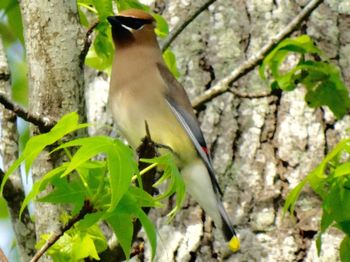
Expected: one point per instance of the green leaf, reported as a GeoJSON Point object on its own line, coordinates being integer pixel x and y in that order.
{"type": "Point", "coordinates": [76, 245]}
{"type": "Point", "coordinates": [176, 183]}
{"type": "Point", "coordinates": [319, 243]}
{"type": "Point", "coordinates": [123, 5]}
{"type": "Point", "coordinates": [149, 229]}
{"type": "Point", "coordinates": [143, 198]}
{"type": "Point", "coordinates": [101, 53]}
{"type": "Point", "coordinates": [89, 148]}
{"type": "Point", "coordinates": [162, 29]}
{"type": "Point", "coordinates": [170, 61]}
{"type": "Point", "coordinates": [344, 226]}
{"type": "Point", "coordinates": [89, 220]}
{"type": "Point", "coordinates": [41, 185]}
{"type": "Point", "coordinates": [293, 196]}
{"type": "Point", "coordinates": [120, 175]}
{"type": "Point", "coordinates": [326, 220]}
{"type": "Point", "coordinates": [338, 202]}
{"type": "Point", "coordinates": [120, 162]}
{"type": "Point", "coordinates": [345, 249]}
{"type": "Point", "coordinates": [123, 228]}
{"type": "Point", "coordinates": [104, 8]}
{"type": "Point", "coordinates": [72, 192]}
{"type": "Point", "coordinates": [84, 247]}
{"type": "Point", "coordinates": [36, 144]}
{"type": "Point", "coordinates": [342, 170]}
{"type": "Point", "coordinates": [328, 93]}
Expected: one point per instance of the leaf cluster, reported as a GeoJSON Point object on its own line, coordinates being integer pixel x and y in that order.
{"type": "Point", "coordinates": [322, 80]}
{"type": "Point", "coordinates": [331, 181]}
{"type": "Point", "coordinates": [107, 184]}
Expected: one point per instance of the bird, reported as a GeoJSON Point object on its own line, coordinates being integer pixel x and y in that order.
{"type": "Point", "coordinates": [143, 90]}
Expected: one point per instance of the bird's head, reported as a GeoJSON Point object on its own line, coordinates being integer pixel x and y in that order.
{"type": "Point", "coordinates": [132, 26]}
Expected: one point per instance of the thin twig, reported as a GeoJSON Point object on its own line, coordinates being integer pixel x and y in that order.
{"type": "Point", "coordinates": [175, 33]}
{"type": "Point", "coordinates": [87, 43]}
{"type": "Point", "coordinates": [249, 95]}
{"type": "Point", "coordinates": [86, 209]}
{"type": "Point", "coordinates": [44, 124]}
{"type": "Point", "coordinates": [225, 84]}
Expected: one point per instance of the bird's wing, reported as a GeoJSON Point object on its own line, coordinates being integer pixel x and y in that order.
{"type": "Point", "coordinates": [179, 103]}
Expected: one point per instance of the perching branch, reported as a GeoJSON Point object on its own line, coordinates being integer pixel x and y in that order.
{"type": "Point", "coordinates": [44, 124]}
{"type": "Point", "coordinates": [177, 31]}
{"type": "Point", "coordinates": [86, 209]}
{"type": "Point", "coordinates": [225, 84]}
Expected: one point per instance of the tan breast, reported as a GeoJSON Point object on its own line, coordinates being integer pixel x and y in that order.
{"type": "Point", "coordinates": [138, 97]}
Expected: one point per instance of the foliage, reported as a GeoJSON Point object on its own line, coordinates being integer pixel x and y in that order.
{"type": "Point", "coordinates": [321, 79]}
{"type": "Point", "coordinates": [331, 181]}
{"type": "Point", "coordinates": [100, 55]}
{"type": "Point", "coordinates": [107, 184]}
{"type": "Point", "coordinates": [324, 86]}
{"type": "Point", "coordinates": [11, 32]}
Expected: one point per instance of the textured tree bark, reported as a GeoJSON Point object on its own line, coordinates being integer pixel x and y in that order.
{"type": "Point", "coordinates": [13, 192]}
{"type": "Point", "coordinates": [54, 40]}
{"type": "Point", "coordinates": [261, 147]}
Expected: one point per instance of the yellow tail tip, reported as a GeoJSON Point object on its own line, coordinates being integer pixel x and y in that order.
{"type": "Point", "coordinates": [234, 244]}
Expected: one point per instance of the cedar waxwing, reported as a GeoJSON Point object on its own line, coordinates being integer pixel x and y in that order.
{"type": "Point", "coordinates": [142, 89]}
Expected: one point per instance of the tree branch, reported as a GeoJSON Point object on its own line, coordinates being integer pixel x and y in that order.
{"type": "Point", "coordinates": [86, 209]}
{"type": "Point", "coordinates": [87, 43]}
{"type": "Point", "coordinates": [225, 84]}
{"type": "Point", "coordinates": [177, 31]}
{"type": "Point", "coordinates": [43, 123]}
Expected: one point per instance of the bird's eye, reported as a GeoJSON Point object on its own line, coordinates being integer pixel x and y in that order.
{"type": "Point", "coordinates": [133, 23]}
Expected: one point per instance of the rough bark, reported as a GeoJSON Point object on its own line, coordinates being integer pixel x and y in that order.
{"type": "Point", "coordinates": [261, 147]}
{"type": "Point", "coordinates": [13, 191]}
{"type": "Point", "coordinates": [54, 40]}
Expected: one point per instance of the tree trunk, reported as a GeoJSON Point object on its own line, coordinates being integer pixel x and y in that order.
{"type": "Point", "coordinates": [54, 40]}
{"type": "Point", "coordinates": [261, 147]}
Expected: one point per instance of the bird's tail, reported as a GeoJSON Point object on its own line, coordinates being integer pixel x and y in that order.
{"type": "Point", "coordinates": [228, 229]}
{"type": "Point", "coordinates": [200, 187]}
